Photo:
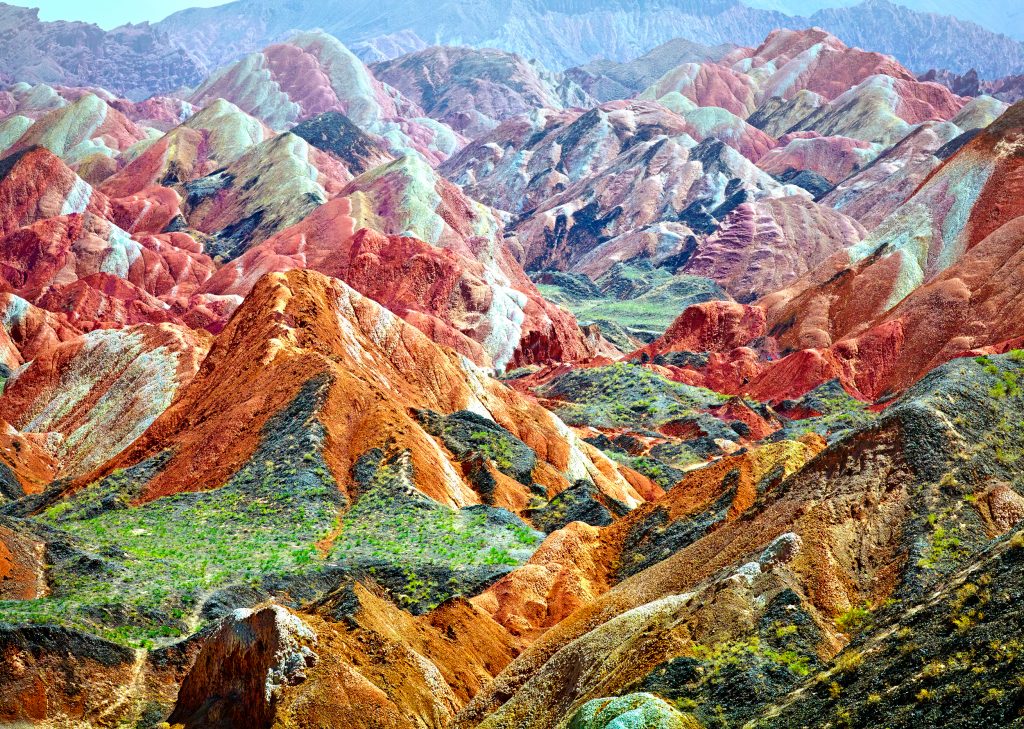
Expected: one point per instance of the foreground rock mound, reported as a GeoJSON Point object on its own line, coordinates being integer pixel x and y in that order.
{"type": "Point", "coordinates": [243, 668]}
{"type": "Point", "coordinates": [45, 667]}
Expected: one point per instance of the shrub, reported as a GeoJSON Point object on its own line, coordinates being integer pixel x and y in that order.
{"type": "Point", "coordinates": [854, 620]}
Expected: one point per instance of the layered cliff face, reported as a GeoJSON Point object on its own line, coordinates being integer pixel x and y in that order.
{"type": "Point", "coordinates": [312, 73]}
{"type": "Point", "coordinates": [762, 246]}
{"type": "Point", "coordinates": [478, 302]}
{"type": "Point", "coordinates": [657, 178]}
{"type": "Point", "coordinates": [880, 314]}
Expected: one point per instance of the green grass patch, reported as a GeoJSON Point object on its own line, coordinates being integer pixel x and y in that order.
{"type": "Point", "coordinates": [625, 395]}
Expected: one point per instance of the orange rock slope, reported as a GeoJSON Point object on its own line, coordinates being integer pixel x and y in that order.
{"type": "Point", "coordinates": [575, 565]}
{"type": "Point", "coordinates": [301, 325]}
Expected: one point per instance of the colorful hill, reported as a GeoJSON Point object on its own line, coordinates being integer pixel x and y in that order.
{"type": "Point", "coordinates": [454, 391]}
{"type": "Point", "coordinates": [313, 73]}
{"type": "Point", "coordinates": [473, 90]}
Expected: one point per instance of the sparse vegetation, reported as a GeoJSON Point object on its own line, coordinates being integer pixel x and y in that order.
{"type": "Point", "coordinates": [390, 525]}
{"type": "Point", "coordinates": [154, 562]}
{"type": "Point", "coordinates": [944, 545]}
{"type": "Point", "coordinates": [625, 394]}
{"type": "Point", "coordinates": [735, 653]}
{"type": "Point", "coordinates": [854, 620]}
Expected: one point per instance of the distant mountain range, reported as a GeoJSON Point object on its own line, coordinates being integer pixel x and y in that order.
{"type": "Point", "coordinates": [141, 59]}
{"type": "Point", "coordinates": [1004, 16]}
{"type": "Point", "coordinates": [922, 40]}
{"type": "Point", "coordinates": [133, 60]}
{"type": "Point", "coordinates": [565, 33]}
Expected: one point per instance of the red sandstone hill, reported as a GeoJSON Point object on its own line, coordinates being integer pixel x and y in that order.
{"type": "Point", "coordinates": [931, 282]}
{"type": "Point", "coordinates": [300, 326]}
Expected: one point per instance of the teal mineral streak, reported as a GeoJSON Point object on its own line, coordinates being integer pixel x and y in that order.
{"type": "Point", "coordinates": [11, 130]}
{"type": "Point", "coordinates": [633, 711]}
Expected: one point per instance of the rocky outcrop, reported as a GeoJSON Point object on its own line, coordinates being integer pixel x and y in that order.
{"type": "Point", "coordinates": [762, 246]}
{"type": "Point", "coordinates": [94, 394]}
{"type": "Point", "coordinates": [478, 301]}
{"type": "Point", "coordinates": [579, 562]}
{"type": "Point", "coordinates": [908, 286]}
{"type": "Point", "coordinates": [708, 84]}
{"type": "Point", "coordinates": [244, 667]}
{"type": "Point", "coordinates": [368, 327]}
{"type": "Point", "coordinates": [832, 158]}
{"type": "Point", "coordinates": [792, 61]}
{"type": "Point", "coordinates": [35, 185]}
{"type": "Point", "coordinates": [87, 134]}
{"type": "Point", "coordinates": [22, 566]}
{"type": "Point", "coordinates": [882, 109]}
{"type": "Point", "coordinates": [272, 186]}
{"type": "Point", "coordinates": [969, 616]}
{"type": "Point", "coordinates": [27, 465]}
{"type": "Point", "coordinates": [614, 183]}
{"type": "Point", "coordinates": [347, 657]}
{"type": "Point", "coordinates": [334, 133]}
{"type": "Point", "coordinates": [647, 709]}
{"type": "Point", "coordinates": [212, 138]}
{"type": "Point", "coordinates": [874, 192]}
{"type": "Point", "coordinates": [712, 327]}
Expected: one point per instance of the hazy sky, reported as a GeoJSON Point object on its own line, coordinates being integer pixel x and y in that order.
{"type": "Point", "coordinates": [111, 13]}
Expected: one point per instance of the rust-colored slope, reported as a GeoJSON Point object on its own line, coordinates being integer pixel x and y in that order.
{"type": "Point", "coordinates": [29, 331]}
{"type": "Point", "coordinates": [975, 192]}
{"type": "Point", "coordinates": [35, 184]}
{"type": "Point", "coordinates": [26, 466]}
{"type": "Point", "coordinates": [576, 564]}
{"type": "Point", "coordinates": [301, 325]}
